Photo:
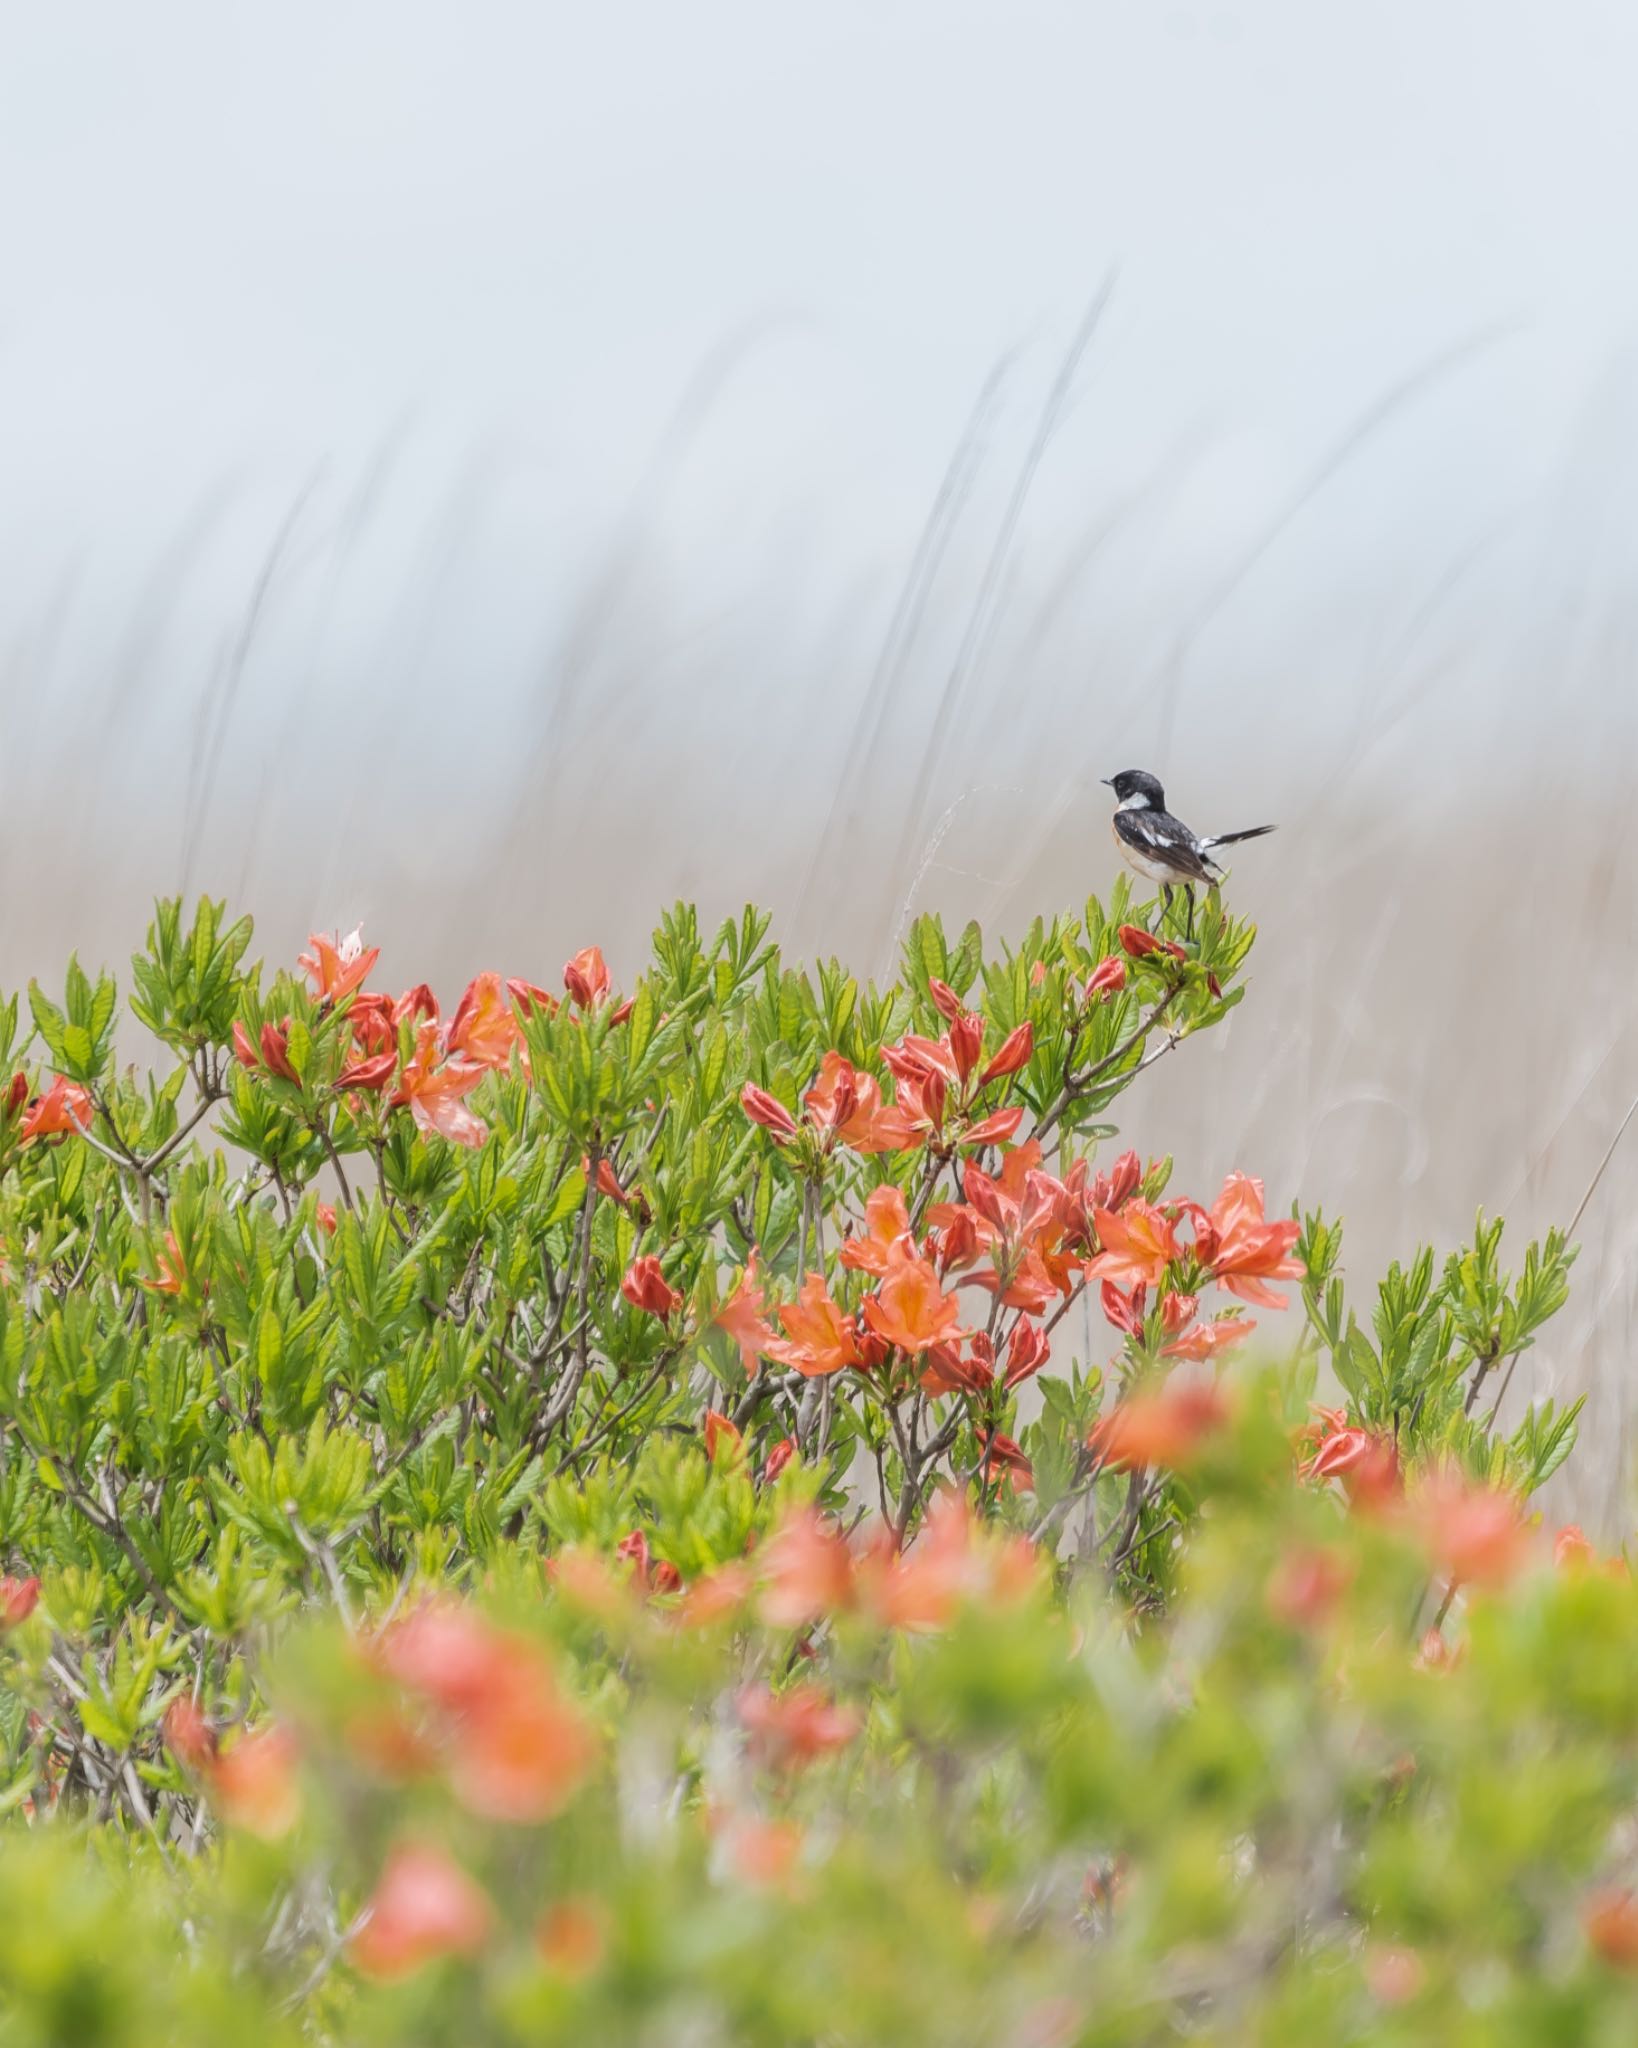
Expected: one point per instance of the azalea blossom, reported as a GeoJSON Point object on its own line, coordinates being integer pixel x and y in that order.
{"type": "Point", "coordinates": [586, 977]}
{"type": "Point", "coordinates": [846, 1103]}
{"type": "Point", "coordinates": [742, 1316]}
{"type": "Point", "coordinates": [720, 1434]}
{"type": "Point", "coordinates": [1139, 944]}
{"type": "Point", "coordinates": [172, 1272]}
{"type": "Point", "coordinates": [1139, 1243]}
{"type": "Point", "coordinates": [1241, 1248]}
{"type": "Point", "coordinates": [767, 1110]}
{"type": "Point", "coordinates": [819, 1336]}
{"type": "Point", "coordinates": [517, 1749]}
{"type": "Point", "coordinates": [18, 1600]}
{"type": "Point", "coordinates": [336, 967]}
{"type": "Point", "coordinates": [910, 1309]}
{"type": "Point", "coordinates": [1107, 980]}
{"type": "Point", "coordinates": [645, 1287]}
{"type": "Point", "coordinates": [435, 1087]}
{"type": "Point", "coordinates": [806, 1571]}
{"type": "Point", "coordinates": [1002, 1456]}
{"type": "Point", "coordinates": [1473, 1534]}
{"type": "Point", "coordinates": [887, 1240]}
{"type": "Point", "coordinates": [795, 1726]}
{"type": "Point", "coordinates": [483, 1028]}
{"type": "Point", "coordinates": [424, 1907]}
{"type": "Point", "coordinates": [64, 1107]}
{"type": "Point", "coordinates": [1609, 1917]}
{"type": "Point", "coordinates": [1205, 1340]}
{"type": "Point", "coordinates": [1164, 1428]}
{"type": "Point", "coordinates": [254, 1784]}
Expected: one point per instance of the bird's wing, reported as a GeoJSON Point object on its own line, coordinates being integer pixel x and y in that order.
{"type": "Point", "coordinates": [1167, 840]}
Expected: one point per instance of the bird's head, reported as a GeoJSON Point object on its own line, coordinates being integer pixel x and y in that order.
{"type": "Point", "coordinates": [1137, 790]}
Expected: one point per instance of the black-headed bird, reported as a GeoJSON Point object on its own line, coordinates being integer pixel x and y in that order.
{"type": "Point", "coordinates": [1160, 847]}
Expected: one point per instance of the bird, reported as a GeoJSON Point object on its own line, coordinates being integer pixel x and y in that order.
{"type": "Point", "coordinates": [1160, 847]}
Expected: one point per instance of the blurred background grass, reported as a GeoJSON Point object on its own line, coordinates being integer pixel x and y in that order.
{"type": "Point", "coordinates": [490, 480]}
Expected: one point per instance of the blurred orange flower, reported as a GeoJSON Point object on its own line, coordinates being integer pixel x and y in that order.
{"type": "Point", "coordinates": [1162, 1428]}
{"type": "Point", "coordinates": [425, 1906]}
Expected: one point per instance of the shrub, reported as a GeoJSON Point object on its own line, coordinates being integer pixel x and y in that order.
{"type": "Point", "coordinates": [560, 1518]}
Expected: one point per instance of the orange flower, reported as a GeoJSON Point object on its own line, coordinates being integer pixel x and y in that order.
{"type": "Point", "coordinates": [336, 967]}
{"type": "Point", "coordinates": [189, 1736]}
{"type": "Point", "coordinates": [821, 1338]}
{"type": "Point", "coordinates": [424, 1907]}
{"type": "Point", "coordinates": [1161, 1428]}
{"type": "Point", "coordinates": [172, 1273]}
{"type": "Point", "coordinates": [572, 1938]}
{"type": "Point", "coordinates": [719, 1433]}
{"type": "Point", "coordinates": [1610, 1918]}
{"type": "Point", "coordinates": [764, 1853]}
{"type": "Point", "coordinates": [434, 1089]}
{"type": "Point", "coordinates": [1474, 1535]}
{"type": "Point", "coordinates": [847, 1101]}
{"type": "Point", "coordinates": [806, 1570]}
{"type": "Point", "coordinates": [1242, 1250]}
{"type": "Point", "coordinates": [912, 1311]}
{"type": "Point", "coordinates": [1002, 1455]}
{"type": "Point", "coordinates": [797, 1725]}
{"type": "Point", "coordinates": [18, 1600]}
{"type": "Point", "coordinates": [645, 1287]}
{"type": "Point", "coordinates": [1571, 1550]}
{"type": "Point", "coordinates": [519, 1748]}
{"type": "Point", "coordinates": [887, 1241]}
{"type": "Point", "coordinates": [1138, 1245]}
{"type": "Point", "coordinates": [741, 1315]}
{"type": "Point", "coordinates": [254, 1783]}
{"type": "Point", "coordinates": [1205, 1340]}
{"type": "Point", "coordinates": [1306, 1585]}
{"type": "Point", "coordinates": [586, 977]}
{"type": "Point", "coordinates": [64, 1107]}
{"type": "Point", "coordinates": [483, 1029]}
{"type": "Point", "coordinates": [952, 1561]}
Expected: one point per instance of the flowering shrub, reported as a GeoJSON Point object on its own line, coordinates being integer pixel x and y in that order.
{"type": "Point", "coordinates": [593, 1511]}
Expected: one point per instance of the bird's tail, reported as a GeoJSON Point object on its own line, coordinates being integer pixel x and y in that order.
{"type": "Point", "coordinates": [1234, 838]}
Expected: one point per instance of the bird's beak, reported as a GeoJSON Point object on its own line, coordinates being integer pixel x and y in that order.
{"type": "Point", "coordinates": [1108, 781]}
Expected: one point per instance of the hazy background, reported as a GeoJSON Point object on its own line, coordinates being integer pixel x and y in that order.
{"type": "Point", "coordinates": [488, 470]}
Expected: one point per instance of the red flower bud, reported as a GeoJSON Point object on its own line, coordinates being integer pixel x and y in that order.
{"type": "Point", "coordinates": [1108, 978]}
{"type": "Point", "coordinates": [945, 999]}
{"type": "Point", "coordinates": [778, 1458]}
{"type": "Point", "coordinates": [243, 1051]}
{"type": "Point", "coordinates": [528, 997]}
{"type": "Point", "coordinates": [966, 1042]}
{"type": "Point", "coordinates": [416, 1002]}
{"type": "Point", "coordinates": [767, 1110]}
{"type": "Point", "coordinates": [1016, 1050]}
{"type": "Point", "coordinates": [18, 1599]}
{"type": "Point", "coordinates": [586, 977]}
{"type": "Point", "coordinates": [372, 1074]}
{"type": "Point", "coordinates": [645, 1287]}
{"type": "Point", "coordinates": [276, 1051]}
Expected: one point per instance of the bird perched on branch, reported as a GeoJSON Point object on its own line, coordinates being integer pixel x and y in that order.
{"type": "Point", "coordinates": [1160, 847]}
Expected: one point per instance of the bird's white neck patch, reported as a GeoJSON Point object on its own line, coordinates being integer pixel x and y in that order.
{"type": "Point", "coordinates": [1139, 802]}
